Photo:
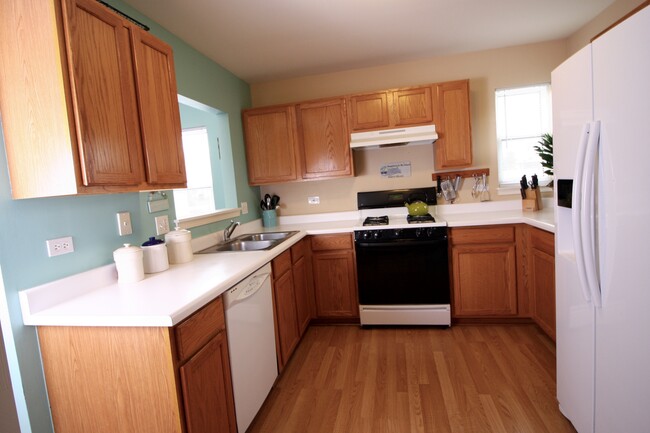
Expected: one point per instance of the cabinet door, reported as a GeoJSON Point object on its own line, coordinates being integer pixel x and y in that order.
{"type": "Point", "coordinates": [335, 284]}
{"type": "Point", "coordinates": [270, 135]}
{"type": "Point", "coordinates": [485, 280]}
{"type": "Point", "coordinates": [452, 118]}
{"type": "Point", "coordinates": [324, 140]}
{"type": "Point", "coordinates": [159, 113]}
{"type": "Point", "coordinates": [103, 92]}
{"type": "Point", "coordinates": [303, 309]}
{"type": "Point", "coordinates": [286, 316]}
{"type": "Point", "coordinates": [207, 389]}
{"type": "Point", "coordinates": [369, 111]}
{"type": "Point", "coordinates": [412, 107]}
{"type": "Point", "coordinates": [542, 277]}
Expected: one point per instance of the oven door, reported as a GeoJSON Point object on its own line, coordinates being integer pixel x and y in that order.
{"type": "Point", "coordinates": [403, 272]}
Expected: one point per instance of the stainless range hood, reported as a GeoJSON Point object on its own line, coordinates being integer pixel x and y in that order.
{"type": "Point", "coordinates": [393, 137]}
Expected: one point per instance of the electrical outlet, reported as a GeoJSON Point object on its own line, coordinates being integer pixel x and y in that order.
{"type": "Point", "coordinates": [124, 226]}
{"type": "Point", "coordinates": [56, 247]}
{"type": "Point", "coordinates": [313, 199]}
{"type": "Point", "coordinates": [162, 225]}
{"type": "Point", "coordinates": [244, 207]}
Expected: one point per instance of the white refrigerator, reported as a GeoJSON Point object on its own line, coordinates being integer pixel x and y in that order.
{"type": "Point", "coordinates": [601, 135]}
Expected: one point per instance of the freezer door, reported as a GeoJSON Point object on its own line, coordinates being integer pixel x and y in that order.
{"type": "Point", "coordinates": [572, 110]}
{"type": "Point", "coordinates": [621, 64]}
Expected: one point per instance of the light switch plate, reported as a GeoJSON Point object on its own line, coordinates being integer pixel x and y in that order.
{"type": "Point", "coordinates": [162, 224]}
{"type": "Point", "coordinates": [124, 227]}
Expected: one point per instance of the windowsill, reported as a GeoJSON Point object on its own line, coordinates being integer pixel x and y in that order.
{"type": "Point", "coordinates": [201, 220]}
{"type": "Point", "coordinates": [514, 190]}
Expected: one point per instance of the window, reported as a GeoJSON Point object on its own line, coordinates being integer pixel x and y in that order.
{"type": "Point", "coordinates": [211, 194]}
{"type": "Point", "coordinates": [198, 197]}
{"type": "Point", "coordinates": [523, 114]}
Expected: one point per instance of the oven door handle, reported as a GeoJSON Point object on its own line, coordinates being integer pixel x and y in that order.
{"type": "Point", "coordinates": [400, 243]}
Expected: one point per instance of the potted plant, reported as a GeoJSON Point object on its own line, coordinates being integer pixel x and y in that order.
{"type": "Point", "coordinates": [545, 151]}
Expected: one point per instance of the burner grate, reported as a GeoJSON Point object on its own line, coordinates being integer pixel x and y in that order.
{"type": "Point", "coordinates": [414, 219]}
{"type": "Point", "coordinates": [376, 221]}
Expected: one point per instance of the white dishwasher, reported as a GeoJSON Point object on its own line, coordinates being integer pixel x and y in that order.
{"type": "Point", "coordinates": [251, 343]}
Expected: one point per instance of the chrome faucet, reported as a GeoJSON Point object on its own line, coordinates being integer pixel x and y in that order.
{"type": "Point", "coordinates": [228, 231]}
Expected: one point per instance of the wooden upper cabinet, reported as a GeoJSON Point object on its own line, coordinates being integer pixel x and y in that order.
{"type": "Point", "coordinates": [452, 120]}
{"type": "Point", "coordinates": [369, 111]}
{"type": "Point", "coordinates": [157, 93]}
{"type": "Point", "coordinates": [391, 109]}
{"type": "Point", "coordinates": [77, 116]}
{"type": "Point", "coordinates": [412, 107]}
{"type": "Point", "coordinates": [271, 149]}
{"type": "Point", "coordinates": [294, 142]}
{"type": "Point", "coordinates": [324, 141]}
{"type": "Point", "coordinates": [103, 95]}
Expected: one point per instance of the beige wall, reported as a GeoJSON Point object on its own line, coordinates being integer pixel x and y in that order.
{"type": "Point", "coordinates": [486, 70]}
{"type": "Point", "coordinates": [610, 15]}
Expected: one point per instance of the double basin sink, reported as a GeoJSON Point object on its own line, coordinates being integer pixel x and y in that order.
{"type": "Point", "coordinates": [251, 242]}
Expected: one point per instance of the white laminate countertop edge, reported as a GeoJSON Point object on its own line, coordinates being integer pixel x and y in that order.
{"type": "Point", "coordinates": [94, 298]}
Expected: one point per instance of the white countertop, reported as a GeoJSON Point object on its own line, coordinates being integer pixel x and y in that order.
{"type": "Point", "coordinates": [94, 298]}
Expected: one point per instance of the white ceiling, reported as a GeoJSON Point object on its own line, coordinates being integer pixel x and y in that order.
{"type": "Point", "coordinates": [276, 39]}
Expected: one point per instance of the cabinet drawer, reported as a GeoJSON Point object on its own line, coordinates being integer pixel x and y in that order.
{"type": "Point", "coordinates": [281, 264]}
{"type": "Point", "coordinates": [297, 251]}
{"type": "Point", "coordinates": [199, 328]}
{"type": "Point", "coordinates": [543, 241]}
{"type": "Point", "coordinates": [331, 242]}
{"type": "Point", "coordinates": [483, 235]}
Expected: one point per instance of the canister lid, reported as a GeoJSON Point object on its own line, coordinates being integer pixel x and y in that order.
{"type": "Point", "coordinates": [127, 250]}
{"type": "Point", "coordinates": [152, 241]}
{"type": "Point", "coordinates": [178, 235]}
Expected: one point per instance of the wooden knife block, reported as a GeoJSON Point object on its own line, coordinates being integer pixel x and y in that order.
{"type": "Point", "coordinates": [533, 200]}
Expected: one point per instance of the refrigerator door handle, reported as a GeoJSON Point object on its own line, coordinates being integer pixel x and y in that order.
{"type": "Point", "coordinates": [587, 224]}
{"type": "Point", "coordinates": [576, 211]}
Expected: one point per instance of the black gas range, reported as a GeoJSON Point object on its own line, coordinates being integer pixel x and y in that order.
{"type": "Point", "coordinates": [402, 262]}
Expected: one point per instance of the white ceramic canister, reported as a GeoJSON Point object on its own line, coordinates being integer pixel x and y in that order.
{"type": "Point", "coordinates": [179, 245]}
{"type": "Point", "coordinates": [155, 256]}
{"type": "Point", "coordinates": [129, 264]}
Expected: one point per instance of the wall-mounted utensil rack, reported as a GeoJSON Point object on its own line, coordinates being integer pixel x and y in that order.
{"type": "Point", "coordinates": [462, 173]}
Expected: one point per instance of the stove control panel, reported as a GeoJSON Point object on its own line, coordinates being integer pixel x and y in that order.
{"type": "Point", "coordinates": [411, 234]}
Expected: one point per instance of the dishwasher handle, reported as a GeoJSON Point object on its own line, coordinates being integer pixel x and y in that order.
{"type": "Point", "coordinates": [246, 288]}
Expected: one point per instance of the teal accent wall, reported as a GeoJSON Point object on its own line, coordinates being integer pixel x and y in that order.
{"type": "Point", "coordinates": [25, 225]}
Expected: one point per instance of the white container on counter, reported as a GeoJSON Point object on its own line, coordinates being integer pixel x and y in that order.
{"type": "Point", "coordinates": [129, 263]}
{"type": "Point", "coordinates": [179, 245]}
{"type": "Point", "coordinates": [155, 256]}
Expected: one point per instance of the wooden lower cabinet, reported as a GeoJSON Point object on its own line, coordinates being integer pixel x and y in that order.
{"type": "Point", "coordinates": [542, 279]}
{"type": "Point", "coordinates": [286, 316]}
{"type": "Point", "coordinates": [141, 379]}
{"type": "Point", "coordinates": [484, 271]}
{"type": "Point", "coordinates": [335, 276]}
{"type": "Point", "coordinates": [291, 297]}
{"type": "Point", "coordinates": [302, 286]}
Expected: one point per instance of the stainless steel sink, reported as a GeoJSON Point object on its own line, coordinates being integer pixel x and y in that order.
{"type": "Point", "coordinates": [251, 242]}
{"type": "Point", "coordinates": [266, 236]}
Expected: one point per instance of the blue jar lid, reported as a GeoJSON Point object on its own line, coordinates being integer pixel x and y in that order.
{"type": "Point", "coordinates": [152, 241]}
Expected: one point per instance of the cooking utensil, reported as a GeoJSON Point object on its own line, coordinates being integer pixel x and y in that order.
{"type": "Point", "coordinates": [485, 193]}
{"type": "Point", "coordinates": [263, 205]}
{"type": "Point", "coordinates": [274, 201]}
{"type": "Point", "coordinates": [267, 200]}
{"type": "Point", "coordinates": [457, 182]}
{"type": "Point", "coordinates": [534, 183]}
{"type": "Point", "coordinates": [448, 191]}
{"type": "Point", "coordinates": [439, 187]}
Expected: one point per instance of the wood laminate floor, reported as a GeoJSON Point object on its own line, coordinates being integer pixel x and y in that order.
{"type": "Point", "coordinates": [470, 379]}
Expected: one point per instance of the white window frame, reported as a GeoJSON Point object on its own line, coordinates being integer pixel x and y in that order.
{"type": "Point", "coordinates": [530, 134]}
